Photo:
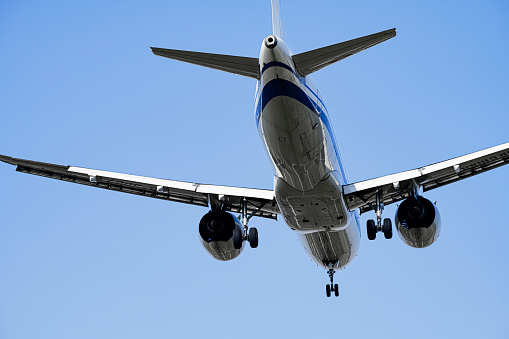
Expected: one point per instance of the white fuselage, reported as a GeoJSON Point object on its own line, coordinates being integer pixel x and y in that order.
{"type": "Point", "coordinates": [295, 129]}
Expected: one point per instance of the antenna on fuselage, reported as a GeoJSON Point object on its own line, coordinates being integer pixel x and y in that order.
{"type": "Point", "coordinates": [277, 21]}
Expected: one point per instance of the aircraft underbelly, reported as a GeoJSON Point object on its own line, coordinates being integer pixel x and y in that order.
{"type": "Point", "coordinates": [308, 190]}
{"type": "Point", "coordinates": [294, 138]}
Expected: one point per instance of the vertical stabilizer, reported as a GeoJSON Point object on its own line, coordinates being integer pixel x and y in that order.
{"type": "Point", "coordinates": [277, 21]}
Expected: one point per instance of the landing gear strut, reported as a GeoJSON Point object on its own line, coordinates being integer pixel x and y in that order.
{"type": "Point", "coordinates": [331, 287]}
{"type": "Point", "coordinates": [249, 234]}
{"type": "Point", "coordinates": [386, 226]}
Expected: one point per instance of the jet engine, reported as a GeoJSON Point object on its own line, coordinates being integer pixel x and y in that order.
{"type": "Point", "coordinates": [216, 232]}
{"type": "Point", "coordinates": [418, 222]}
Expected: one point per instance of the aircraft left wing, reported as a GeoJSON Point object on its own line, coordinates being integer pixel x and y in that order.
{"type": "Point", "coordinates": [260, 202]}
{"type": "Point", "coordinates": [395, 187]}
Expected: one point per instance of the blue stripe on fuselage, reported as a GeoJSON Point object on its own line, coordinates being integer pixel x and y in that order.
{"type": "Point", "coordinates": [277, 64]}
{"type": "Point", "coordinates": [281, 87]}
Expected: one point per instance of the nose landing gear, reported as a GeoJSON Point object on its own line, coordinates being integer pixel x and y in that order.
{"type": "Point", "coordinates": [331, 287]}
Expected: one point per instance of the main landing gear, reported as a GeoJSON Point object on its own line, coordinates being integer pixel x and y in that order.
{"type": "Point", "coordinates": [249, 234]}
{"type": "Point", "coordinates": [329, 288]}
{"type": "Point", "coordinates": [385, 227]}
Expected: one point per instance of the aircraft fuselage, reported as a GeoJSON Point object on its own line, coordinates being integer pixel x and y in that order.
{"type": "Point", "coordinates": [295, 129]}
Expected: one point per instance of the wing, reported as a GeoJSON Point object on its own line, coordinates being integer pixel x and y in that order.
{"type": "Point", "coordinates": [260, 202]}
{"type": "Point", "coordinates": [395, 186]}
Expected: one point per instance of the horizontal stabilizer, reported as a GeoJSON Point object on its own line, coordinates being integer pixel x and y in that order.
{"type": "Point", "coordinates": [312, 61]}
{"type": "Point", "coordinates": [245, 66]}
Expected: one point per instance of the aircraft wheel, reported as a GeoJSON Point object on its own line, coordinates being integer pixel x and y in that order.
{"type": "Point", "coordinates": [237, 238]}
{"type": "Point", "coordinates": [253, 237]}
{"type": "Point", "coordinates": [327, 290]}
{"type": "Point", "coordinates": [371, 228]}
{"type": "Point", "coordinates": [387, 228]}
{"type": "Point", "coordinates": [336, 290]}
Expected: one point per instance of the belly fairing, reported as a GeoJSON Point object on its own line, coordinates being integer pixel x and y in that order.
{"type": "Point", "coordinates": [320, 209]}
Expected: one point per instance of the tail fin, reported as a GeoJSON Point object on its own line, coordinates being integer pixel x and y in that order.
{"type": "Point", "coordinates": [312, 61]}
{"type": "Point", "coordinates": [277, 21]}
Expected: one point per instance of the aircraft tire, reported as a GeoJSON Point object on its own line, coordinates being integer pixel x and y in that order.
{"type": "Point", "coordinates": [371, 228]}
{"type": "Point", "coordinates": [237, 238]}
{"type": "Point", "coordinates": [327, 290]}
{"type": "Point", "coordinates": [336, 290]}
{"type": "Point", "coordinates": [387, 228]}
{"type": "Point", "coordinates": [253, 237]}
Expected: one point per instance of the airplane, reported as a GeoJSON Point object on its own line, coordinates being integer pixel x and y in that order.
{"type": "Point", "coordinates": [311, 191]}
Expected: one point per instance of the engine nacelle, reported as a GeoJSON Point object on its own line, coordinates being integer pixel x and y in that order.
{"type": "Point", "coordinates": [216, 232]}
{"type": "Point", "coordinates": [418, 222]}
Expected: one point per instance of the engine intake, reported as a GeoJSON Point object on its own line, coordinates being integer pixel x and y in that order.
{"type": "Point", "coordinates": [418, 222]}
{"type": "Point", "coordinates": [216, 232]}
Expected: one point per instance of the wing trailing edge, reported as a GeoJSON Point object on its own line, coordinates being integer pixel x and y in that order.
{"type": "Point", "coordinates": [309, 62]}
{"type": "Point", "coordinates": [245, 66]}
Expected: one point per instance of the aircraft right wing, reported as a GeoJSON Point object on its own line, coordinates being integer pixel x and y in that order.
{"type": "Point", "coordinates": [260, 202]}
{"type": "Point", "coordinates": [395, 187]}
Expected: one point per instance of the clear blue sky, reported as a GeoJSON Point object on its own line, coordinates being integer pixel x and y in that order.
{"type": "Point", "coordinates": [80, 86]}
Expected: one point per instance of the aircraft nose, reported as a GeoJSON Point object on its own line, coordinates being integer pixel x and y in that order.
{"type": "Point", "coordinates": [271, 41]}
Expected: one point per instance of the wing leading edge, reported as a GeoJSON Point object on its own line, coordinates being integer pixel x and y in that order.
{"type": "Point", "coordinates": [395, 187]}
{"type": "Point", "coordinates": [260, 202]}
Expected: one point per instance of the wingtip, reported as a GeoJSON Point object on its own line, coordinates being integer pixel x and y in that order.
{"type": "Point", "coordinates": [8, 160]}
